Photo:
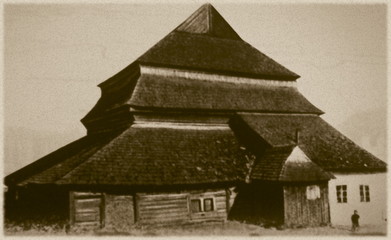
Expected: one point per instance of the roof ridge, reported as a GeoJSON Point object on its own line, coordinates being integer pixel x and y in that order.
{"type": "Point", "coordinates": [207, 20]}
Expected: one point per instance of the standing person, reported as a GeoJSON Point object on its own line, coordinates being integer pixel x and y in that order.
{"type": "Point", "coordinates": [355, 218]}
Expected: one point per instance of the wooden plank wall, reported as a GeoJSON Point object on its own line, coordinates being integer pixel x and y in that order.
{"type": "Point", "coordinates": [86, 208]}
{"type": "Point", "coordinates": [299, 211]}
{"type": "Point", "coordinates": [170, 208]}
{"type": "Point", "coordinates": [158, 208]}
{"type": "Point", "coordinates": [220, 204]}
{"type": "Point", "coordinates": [121, 211]}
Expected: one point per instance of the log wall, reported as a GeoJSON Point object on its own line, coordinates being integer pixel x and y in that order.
{"type": "Point", "coordinates": [114, 211]}
{"type": "Point", "coordinates": [86, 208]}
{"type": "Point", "coordinates": [299, 211]}
{"type": "Point", "coordinates": [220, 206]}
{"type": "Point", "coordinates": [158, 208]}
{"type": "Point", "coordinates": [175, 207]}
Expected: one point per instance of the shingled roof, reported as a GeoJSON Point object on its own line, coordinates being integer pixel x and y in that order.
{"type": "Point", "coordinates": [55, 165]}
{"type": "Point", "coordinates": [322, 143]}
{"type": "Point", "coordinates": [143, 156]}
{"type": "Point", "coordinates": [205, 41]}
{"type": "Point", "coordinates": [163, 156]}
{"type": "Point", "coordinates": [154, 91]}
{"type": "Point", "coordinates": [288, 164]}
{"type": "Point", "coordinates": [206, 20]}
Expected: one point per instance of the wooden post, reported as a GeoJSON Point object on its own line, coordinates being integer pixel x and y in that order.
{"type": "Point", "coordinates": [228, 197]}
{"type": "Point", "coordinates": [71, 208]}
{"type": "Point", "coordinates": [297, 137]}
{"type": "Point", "coordinates": [188, 206]}
{"type": "Point", "coordinates": [136, 200]}
{"type": "Point", "coordinates": [103, 210]}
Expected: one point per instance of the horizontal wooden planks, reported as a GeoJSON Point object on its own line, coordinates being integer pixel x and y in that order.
{"type": "Point", "coordinates": [162, 207]}
{"type": "Point", "coordinates": [86, 208]}
{"type": "Point", "coordinates": [122, 211]}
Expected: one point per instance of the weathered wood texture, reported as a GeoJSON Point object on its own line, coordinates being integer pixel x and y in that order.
{"type": "Point", "coordinates": [220, 206]}
{"type": "Point", "coordinates": [299, 211]}
{"type": "Point", "coordinates": [86, 208]}
{"type": "Point", "coordinates": [175, 207]}
{"type": "Point", "coordinates": [156, 208]}
{"type": "Point", "coordinates": [119, 211]}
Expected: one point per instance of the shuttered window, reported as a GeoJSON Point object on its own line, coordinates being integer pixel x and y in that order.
{"type": "Point", "coordinates": [195, 205]}
{"type": "Point", "coordinates": [201, 204]}
{"type": "Point", "coordinates": [342, 194]}
{"type": "Point", "coordinates": [208, 205]}
{"type": "Point", "coordinates": [364, 193]}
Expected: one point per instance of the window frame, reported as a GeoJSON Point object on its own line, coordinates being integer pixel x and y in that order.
{"type": "Point", "coordinates": [342, 193]}
{"type": "Point", "coordinates": [202, 199]}
{"type": "Point", "coordinates": [199, 205]}
{"type": "Point", "coordinates": [212, 204]}
{"type": "Point", "coordinates": [365, 195]}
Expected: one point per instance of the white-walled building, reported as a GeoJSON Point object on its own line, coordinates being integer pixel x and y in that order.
{"type": "Point", "coordinates": [364, 192]}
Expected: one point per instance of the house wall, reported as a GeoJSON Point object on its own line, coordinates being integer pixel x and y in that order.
{"type": "Point", "coordinates": [168, 208]}
{"type": "Point", "coordinates": [300, 211]}
{"type": "Point", "coordinates": [119, 211]}
{"type": "Point", "coordinates": [373, 212]}
{"type": "Point", "coordinates": [86, 209]}
{"type": "Point", "coordinates": [115, 211]}
{"type": "Point", "coordinates": [162, 208]}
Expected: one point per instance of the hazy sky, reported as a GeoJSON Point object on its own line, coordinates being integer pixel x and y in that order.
{"type": "Point", "coordinates": [55, 55]}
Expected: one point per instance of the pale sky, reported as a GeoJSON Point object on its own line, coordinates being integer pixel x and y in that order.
{"type": "Point", "coordinates": [55, 55]}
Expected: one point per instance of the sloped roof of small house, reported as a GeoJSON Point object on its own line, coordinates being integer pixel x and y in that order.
{"type": "Point", "coordinates": [55, 165]}
{"type": "Point", "coordinates": [287, 164]}
{"type": "Point", "coordinates": [143, 156]}
{"type": "Point", "coordinates": [153, 91]}
{"type": "Point", "coordinates": [322, 143]}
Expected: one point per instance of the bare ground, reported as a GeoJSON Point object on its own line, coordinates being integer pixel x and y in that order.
{"type": "Point", "coordinates": [228, 228]}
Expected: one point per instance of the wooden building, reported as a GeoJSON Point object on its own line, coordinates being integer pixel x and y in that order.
{"type": "Point", "coordinates": [202, 127]}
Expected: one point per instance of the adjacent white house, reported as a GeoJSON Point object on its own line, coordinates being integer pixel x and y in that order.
{"type": "Point", "coordinates": [364, 192]}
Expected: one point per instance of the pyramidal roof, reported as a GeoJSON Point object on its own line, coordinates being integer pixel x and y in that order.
{"type": "Point", "coordinates": [288, 164]}
{"type": "Point", "coordinates": [206, 20]}
{"type": "Point", "coordinates": [206, 42]}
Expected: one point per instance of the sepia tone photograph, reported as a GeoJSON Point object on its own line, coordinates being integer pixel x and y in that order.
{"type": "Point", "coordinates": [207, 118]}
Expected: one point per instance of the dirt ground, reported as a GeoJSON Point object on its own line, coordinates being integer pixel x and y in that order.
{"type": "Point", "coordinates": [228, 228]}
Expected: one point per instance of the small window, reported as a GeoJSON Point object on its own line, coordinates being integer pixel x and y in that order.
{"type": "Point", "coordinates": [313, 192]}
{"type": "Point", "coordinates": [195, 205]}
{"type": "Point", "coordinates": [208, 205]}
{"type": "Point", "coordinates": [342, 194]}
{"type": "Point", "coordinates": [364, 193]}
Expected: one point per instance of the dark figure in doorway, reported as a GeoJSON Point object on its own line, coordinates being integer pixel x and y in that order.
{"type": "Point", "coordinates": [355, 218]}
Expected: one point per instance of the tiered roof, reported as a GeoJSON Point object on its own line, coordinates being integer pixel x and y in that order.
{"type": "Point", "coordinates": [167, 92]}
{"type": "Point", "coordinates": [202, 67]}
{"type": "Point", "coordinates": [204, 43]}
